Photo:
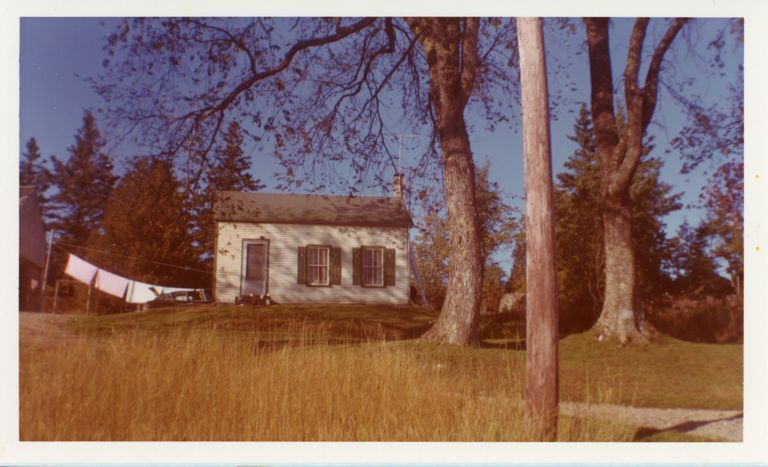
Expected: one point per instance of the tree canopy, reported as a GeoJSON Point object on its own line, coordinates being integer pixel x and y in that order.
{"type": "Point", "coordinates": [324, 95]}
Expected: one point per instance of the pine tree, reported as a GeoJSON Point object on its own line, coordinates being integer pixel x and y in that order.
{"type": "Point", "coordinates": [694, 266]}
{"type": "Point", "coordinates": [578, 231]}
{"type": "Point", "coordinates": [146, 223]}
{"type": "Point", "coordinates": [33, 172]}
{"type": "Point", "coordinates": [229, 171]}
{"type": "Point", "coordinates": [83, 185]}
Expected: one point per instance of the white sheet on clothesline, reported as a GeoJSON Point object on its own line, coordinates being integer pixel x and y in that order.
{"type": "Point", "coordinates": [80, 269]}
{"type": "Point", "coordinates": [136, 292]}
{"type": "Point", "coordinates": [111, 283]}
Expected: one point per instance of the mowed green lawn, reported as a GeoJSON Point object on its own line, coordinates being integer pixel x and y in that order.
{"type": "Point", "coordinates": [666, 373]}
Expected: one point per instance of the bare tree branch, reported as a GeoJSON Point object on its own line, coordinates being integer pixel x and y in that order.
{"type": "Point", "coordinates": [650, 90]}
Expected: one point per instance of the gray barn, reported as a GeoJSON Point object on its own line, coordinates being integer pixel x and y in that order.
{"type": "Point", "coordinates": [31, 251]}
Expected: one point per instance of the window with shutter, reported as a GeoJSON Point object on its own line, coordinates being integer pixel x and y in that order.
{"type": "Point", "coordinates": [373, 267]}
{"type": "Point", "coordinates": [335, 265]}
{"type": "Point", "coordinates": [318, 265]}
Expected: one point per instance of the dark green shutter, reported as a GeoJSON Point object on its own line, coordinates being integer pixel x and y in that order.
{"type": "Point", "coordinates": [389, 267]}
{"type": "Point", "coordinates": [335, 265]}
{"type": "Point", "coordinates": [357, 266]}
{"type": "Point", "coordinates": [301, 266]}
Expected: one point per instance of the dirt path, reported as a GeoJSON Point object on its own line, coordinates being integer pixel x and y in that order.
{"type": "Point", "coordinates": [717, 424]}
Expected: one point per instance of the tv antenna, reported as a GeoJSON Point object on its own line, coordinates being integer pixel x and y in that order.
{"type": "Point", "coordinates": [400, 138]}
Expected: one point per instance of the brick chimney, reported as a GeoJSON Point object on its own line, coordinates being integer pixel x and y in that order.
{"type": "Point", "coordinates": [398, 189]}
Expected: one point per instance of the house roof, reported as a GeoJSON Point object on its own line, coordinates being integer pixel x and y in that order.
{"type": "Point", "coordinates": [310, 209]}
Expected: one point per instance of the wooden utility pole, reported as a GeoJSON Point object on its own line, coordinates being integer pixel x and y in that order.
{"type": "Point", "coordinates": [541, 357]}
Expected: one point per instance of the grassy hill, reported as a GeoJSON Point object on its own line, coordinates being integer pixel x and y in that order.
{"type": "Point", "coordinates": [309, 372]}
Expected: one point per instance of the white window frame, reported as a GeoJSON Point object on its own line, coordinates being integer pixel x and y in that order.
{"type": "Point", "coordinates": [319, 265]}
{"type": "Point", "coordinates": [373, 273]}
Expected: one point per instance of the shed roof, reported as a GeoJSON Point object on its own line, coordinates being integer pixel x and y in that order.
{"type": "Point", "coordinates": [282, 208]}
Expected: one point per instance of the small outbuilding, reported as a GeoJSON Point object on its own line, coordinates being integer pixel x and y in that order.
{"type": "Point", "coordinates": [32, 250]}
{"type": "Point", "coordinates": [312, 248]}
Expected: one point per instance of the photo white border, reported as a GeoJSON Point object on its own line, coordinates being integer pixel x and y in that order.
{"type": "Point", "coordinates": [754, 449]}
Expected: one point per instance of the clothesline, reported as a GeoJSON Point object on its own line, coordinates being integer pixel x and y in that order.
{"type": "Point", "coordinates": [131, 291]}
{"type": "Point", "coordinates": [108, 253]}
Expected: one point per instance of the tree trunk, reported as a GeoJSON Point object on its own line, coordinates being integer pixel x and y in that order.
{"type": "Point", "coordinates": [619, 317]}
{"type": "Point", "coordinates": [619, 154]}
{"type": "Point", "coordinates": [541, 356]}
{"type": "Point", "coordinates": [450, 46]}
{"type": "Point", "coordinates": [458, 319]}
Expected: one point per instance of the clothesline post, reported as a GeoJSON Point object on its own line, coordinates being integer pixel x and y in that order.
{"type": "Point", "coordinates": [56, 295]}
{"type": "Point", "coordinates": [47, 266]}
{"type": "Point", "coordinates": [88, 300]}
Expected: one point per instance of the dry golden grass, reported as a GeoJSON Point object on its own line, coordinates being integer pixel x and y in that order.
{"type": "Point", "coordinates": [204, 384]}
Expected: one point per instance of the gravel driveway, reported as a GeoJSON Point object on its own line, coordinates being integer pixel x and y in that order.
{"type": "Point", "coordinates": [716, 424]}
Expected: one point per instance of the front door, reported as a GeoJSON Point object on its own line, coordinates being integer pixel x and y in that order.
{"type": "Point", "coordinates": [255, 264]}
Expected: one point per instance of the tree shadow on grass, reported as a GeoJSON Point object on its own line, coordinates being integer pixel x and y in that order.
{"type": "Point", "coordinates": [645, 432]}
{"type": "Point", "coordinates": [517, 344]}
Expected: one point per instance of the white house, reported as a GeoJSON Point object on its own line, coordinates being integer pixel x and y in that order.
{"type": "Point", "coordinates": [312, 248]}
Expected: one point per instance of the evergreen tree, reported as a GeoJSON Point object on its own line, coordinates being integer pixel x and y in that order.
{"type": "Point", "coordinates": [578, 230]}
{"type": "Point", "coordinates": [146, 222]}
{"type": "Point", "coordinates": [229, 171]}
{"type": "Point", "coordinates": [83, 185]}
{"type": "Point", "coordinates": [33, 172]}
{"type": "Point", "coordinates": [694, 267]}
{"type": "Point", "coordinates": [724, 221]}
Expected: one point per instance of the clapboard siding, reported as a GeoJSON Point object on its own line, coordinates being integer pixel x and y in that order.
{"type": "Point", "coordinates": [284, 240]}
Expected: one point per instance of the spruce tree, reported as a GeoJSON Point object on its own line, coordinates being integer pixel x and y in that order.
{"type": "Point", "coordinates": [578, 231]}
{"type": "Point", "coordinates": [83, 184]}
{"type": "Point", "coordinates": [229, 171]}
{"type": "Point", "coordinates": [146, 223]}
{"type": "Point", "coordinates": [33, 172]}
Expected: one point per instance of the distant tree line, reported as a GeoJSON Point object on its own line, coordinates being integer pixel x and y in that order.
{"type": "Point", "coordinates": [146, 221]}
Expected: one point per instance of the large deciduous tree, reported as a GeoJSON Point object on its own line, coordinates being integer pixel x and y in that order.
{"type": "Point", "coordinates": [322, 92]}
{"type": "Point", "coordinates": [450, 46]}
{"type": "Point", "coordinates": [432, 244]}
{"type": "Point", "coordinates": [619, 154]}
{"type": "Point", "coordinates": [580, 246]}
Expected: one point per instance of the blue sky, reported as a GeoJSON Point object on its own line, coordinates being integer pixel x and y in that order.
{"type": "Point", "coordinates": [57, 54]}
